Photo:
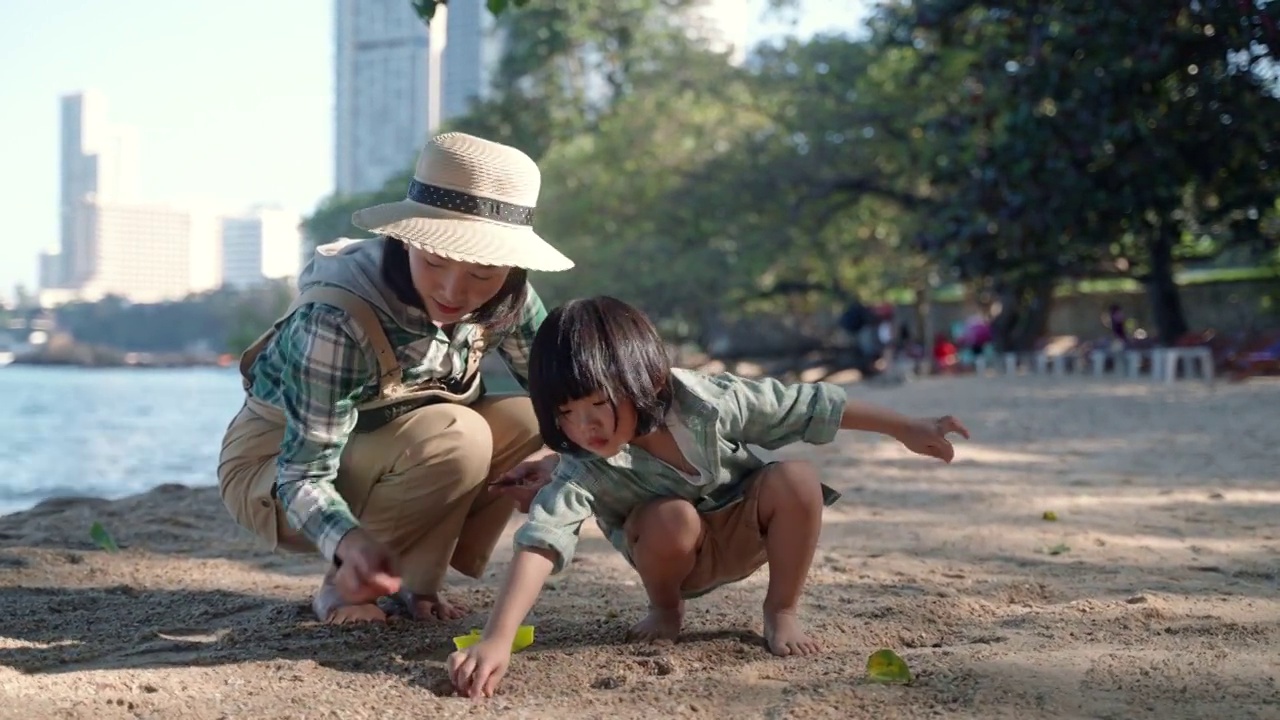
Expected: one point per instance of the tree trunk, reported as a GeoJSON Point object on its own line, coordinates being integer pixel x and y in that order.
{"type": "Point", "coordinates": [1024, 314]}
{"type": "Point", "coordinates": [924, 320]}
{"type": "Point", "coordinates": [1162, 291]}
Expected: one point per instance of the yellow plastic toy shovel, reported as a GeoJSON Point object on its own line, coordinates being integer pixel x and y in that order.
{"type": "Point", "coordinates": [523, 639]}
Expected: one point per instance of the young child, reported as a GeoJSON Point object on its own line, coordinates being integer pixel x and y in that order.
{"type": "Point", "coordinates": [660, 456]}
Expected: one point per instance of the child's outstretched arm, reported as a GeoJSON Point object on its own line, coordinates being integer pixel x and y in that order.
{"type": "Point", "coordinates": [545, 545]}
{"type": "Point", "coordinates": [770, 413]}
{"type": "Point", "coordinates": [477, 670]}
{"type": "Point", "coordinates": [873, 418]}
{"type": "Point", "coordinates": [926, 436]}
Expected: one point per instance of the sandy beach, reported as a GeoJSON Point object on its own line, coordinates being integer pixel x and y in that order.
{"type": "Point", "coordinates": [1154, 594]}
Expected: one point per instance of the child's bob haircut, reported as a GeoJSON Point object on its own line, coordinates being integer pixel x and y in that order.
{"type": "Point", "coordinates": [598, 344]}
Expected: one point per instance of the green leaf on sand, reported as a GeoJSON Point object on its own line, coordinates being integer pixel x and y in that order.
{"type": "Point", "coordinates": [1058, 549]}
{"type": "Point", "coordinates": [886, 667]}
{"type": "Point", "coordinates": [1050, 515]}
{"type": "Point", "coordinates": [103, 538]}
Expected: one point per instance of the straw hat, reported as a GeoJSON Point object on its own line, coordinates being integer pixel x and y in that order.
{"type": "Point", "coordinates": [470, 200]}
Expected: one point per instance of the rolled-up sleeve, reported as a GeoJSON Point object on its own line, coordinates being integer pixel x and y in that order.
{"type": "Point", "coordinates": [556, 516]}
{"type": "Point", "coordinates": [772, 414]}
{"type": "Point", "coordinates": [325, 369]}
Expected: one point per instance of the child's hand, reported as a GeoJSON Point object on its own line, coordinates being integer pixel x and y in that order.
{"type": "Point", "coordinates": [928, 436]}
{"type": "Point", "coordinates": [477, 670]}
{"type": "Point", "coordinates": [522, 482]}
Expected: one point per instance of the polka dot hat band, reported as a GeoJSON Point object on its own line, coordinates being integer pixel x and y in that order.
{"type": "Point", "coordinates": [470, 200]}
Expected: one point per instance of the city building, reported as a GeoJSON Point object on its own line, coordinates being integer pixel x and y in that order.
{"type": "Point", "coordinates": [382, 79]}
{"type": "Point", "coordinates": [151, 253]}
{"type": "Point", "coordinates": [98, 163]}
{"type": "Point", "coordinates": [473, 49]}
{"type": "Point", "coordinates": [260, 245]}
{"type": "Point", "coordinates": [110, 243]}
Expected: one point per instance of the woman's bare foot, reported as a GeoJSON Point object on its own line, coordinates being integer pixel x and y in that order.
{"type": "Point", "coordinates": [660, 624]}
{"type": "Point", "coordinates": [784, 636]}
{"type": "Point", "coordinates": [433, 606]}
{"type": "Point", "coordinates": [330, 609]}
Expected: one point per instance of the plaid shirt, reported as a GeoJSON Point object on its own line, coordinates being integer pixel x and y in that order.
{"type": "Point", "coordinates": [320, 367]}
{"type": "Point", "coordinates": [724, 413]}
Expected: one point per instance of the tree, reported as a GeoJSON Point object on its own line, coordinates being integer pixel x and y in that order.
{"type": "Point", "coordinates": [1104, 135]}
{"type": "Point", "coordinates": [331, 220]}
{"type": "Point", "coordinates": [426, 9]}
{"type": "Point", "coordinates": [557, 56]}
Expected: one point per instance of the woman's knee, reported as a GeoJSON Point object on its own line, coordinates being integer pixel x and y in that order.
{"type": "Point", "coordinates": [791, 486]}
{"type": "Point", "coordinates": [450, 440]}
{"type": "Point", "coordinates": [664, 528]}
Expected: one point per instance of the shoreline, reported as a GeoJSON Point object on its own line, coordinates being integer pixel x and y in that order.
{"type": "Point", "coordinates": [135, 366]}
{"type": "Point", "coordinates": [144, 362]}
{"type": "Point", "coordinates": [10, 508]}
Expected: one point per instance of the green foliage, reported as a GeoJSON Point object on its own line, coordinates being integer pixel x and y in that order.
{"type": "Point", "coordinates": [426, 9]}
{"type": "Point", "coordinates": [332, 219]}
{"type": "Point", "coordinates": [1097, 138]}
{"type": "Point", "coordinates": [226, 320]}
{"type": "Point", "coordinates": [102, 538]}
{"type": "Point", "coordinates": [1008, 145]}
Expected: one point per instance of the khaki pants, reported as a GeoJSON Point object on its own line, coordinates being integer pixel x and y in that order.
{"type": "Point", "coordinates": [416, 484]}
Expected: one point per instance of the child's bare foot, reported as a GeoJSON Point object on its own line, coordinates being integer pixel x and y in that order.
{"type": "Point", "coordinates": [433, 606]}
{"type": "Point", "coordinates": [329, 608]}
{"type": "Point", "coordinates": [659, 624]}
{"type": "Point", "coordinates": [783, 634]}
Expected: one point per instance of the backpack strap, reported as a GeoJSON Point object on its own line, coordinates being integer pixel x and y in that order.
{"type": "Point", "coordinates": [360, 312]}
{"type": "Point", "coordinates": [478, 342]}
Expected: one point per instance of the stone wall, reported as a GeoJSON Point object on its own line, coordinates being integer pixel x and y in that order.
{"type": "Point", "coordinates": [1227, 307]}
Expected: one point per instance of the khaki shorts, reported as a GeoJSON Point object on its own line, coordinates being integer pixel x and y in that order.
{"type": "Point", "coordinates": [733, 546]}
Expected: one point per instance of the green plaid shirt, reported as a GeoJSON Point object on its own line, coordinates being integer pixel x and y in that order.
{"type": "Point", "coordinates": [320, 367]}
{"type": "Point", "coordinates": [724, 413]}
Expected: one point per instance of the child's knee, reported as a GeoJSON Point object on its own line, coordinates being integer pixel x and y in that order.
{"type": "Point", "coordinates": [667, 527]}
{"type": "Point", "coordinates": [793, 485]}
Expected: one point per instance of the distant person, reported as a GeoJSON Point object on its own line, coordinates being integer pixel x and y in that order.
{"type": "Point", "coordinates": [660, 457]}
{"type": "Point", "coordinates": [1116, 320]}
{"type": "Point", "coordinates": [365, 434]}
{"type": "Point", "coordinates": [945, 353]}
{"type": "Point", "coordinates": [977, 334]}
{"type": "Point", "coordinates": [861, 322]}
{"type": "Point", "coordinates": [855, 316]}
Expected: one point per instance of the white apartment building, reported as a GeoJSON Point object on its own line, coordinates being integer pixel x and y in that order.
{"type": "Point", "coordinates": [472, 51]}
{"type": "Point", "coordinates": [260, 245]}
{"type": "Point", "coordinates": [151, 253]}
{"type": "Point", "coordinates": [111, 244]}
{"type": "Point", "coordinates": [382, 82]}
{"type": "Point", "coordinates": [98, 163]}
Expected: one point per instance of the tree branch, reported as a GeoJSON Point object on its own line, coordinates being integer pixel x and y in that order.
{"type": "Point", "coordinates": [859, 186]}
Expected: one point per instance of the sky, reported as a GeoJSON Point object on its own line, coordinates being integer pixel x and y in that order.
{"type": "Point", "coordinates": [231, 100]}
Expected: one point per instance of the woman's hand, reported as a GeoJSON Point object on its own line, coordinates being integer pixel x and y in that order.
{"type": "Point", "coordinates": [477, 670]}
{"type": "Point", "coordinates": [367, 571]}
{"type": "Point", "coordinates": [522, 482]}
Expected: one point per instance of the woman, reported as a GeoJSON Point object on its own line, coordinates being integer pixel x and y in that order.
{"type": "Point", "coordinates": [365, 433]}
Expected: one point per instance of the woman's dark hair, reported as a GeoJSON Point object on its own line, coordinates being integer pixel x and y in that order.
{"type": "Point", "coordinates": [598, 344]}
{"type": "Point", "coordinates": [500, 313]}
